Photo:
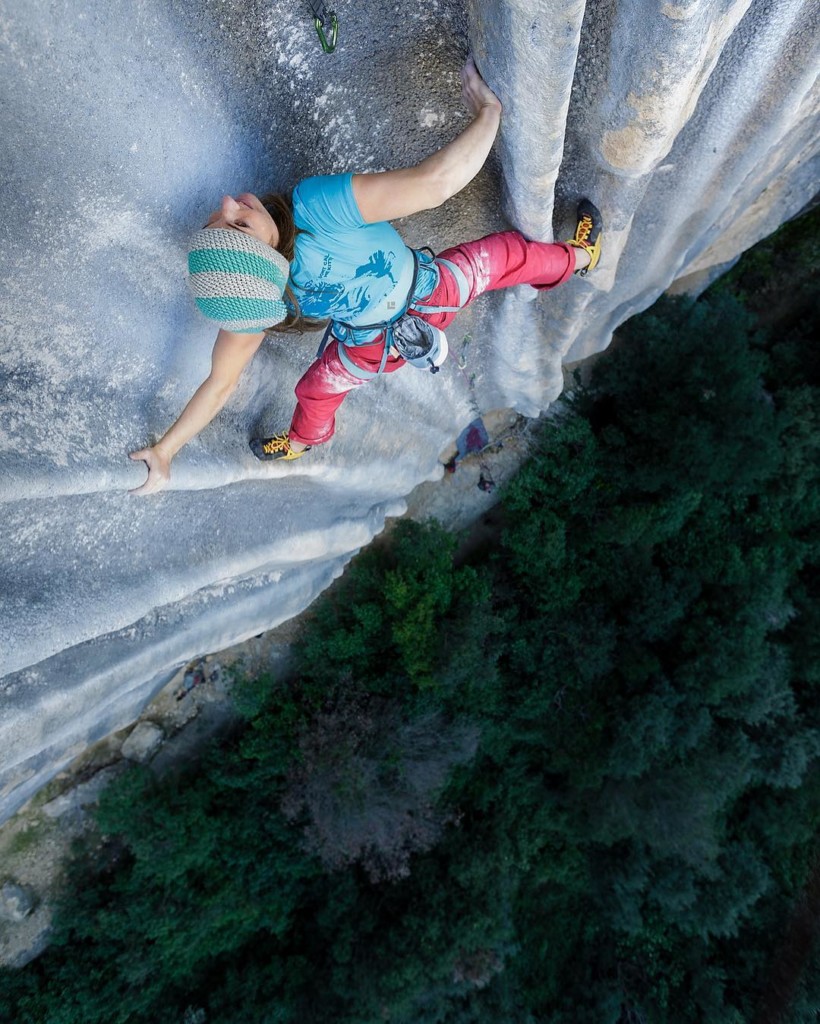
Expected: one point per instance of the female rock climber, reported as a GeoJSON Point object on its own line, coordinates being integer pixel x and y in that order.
{"type": "Point", "coordinates": [327, 252]}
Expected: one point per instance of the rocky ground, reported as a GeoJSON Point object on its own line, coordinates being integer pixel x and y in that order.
{"type": "Point", "coordinates": [196, 705]}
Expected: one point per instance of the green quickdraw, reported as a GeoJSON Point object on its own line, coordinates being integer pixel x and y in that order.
{"type": "Point", "coordinates": [327, 25]}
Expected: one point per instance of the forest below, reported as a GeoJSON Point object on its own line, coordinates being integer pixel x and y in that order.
{"type": "Point", "coordinates": [570, 778]}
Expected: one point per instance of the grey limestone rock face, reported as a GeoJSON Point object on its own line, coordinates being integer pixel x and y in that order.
{"type": "Point", "coordinates": [692, 125]}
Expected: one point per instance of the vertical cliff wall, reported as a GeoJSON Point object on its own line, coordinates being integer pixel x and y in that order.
{"type": "Point", "coordinates": [692, 125]}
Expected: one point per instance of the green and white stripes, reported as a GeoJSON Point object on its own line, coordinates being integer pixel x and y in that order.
{"type": "Point", "coordinates": [237, 280]}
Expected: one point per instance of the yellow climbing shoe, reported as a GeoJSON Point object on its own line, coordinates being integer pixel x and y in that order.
{"type": "Point", "coordinates": [277, 447]}
{"type": "Point", "coordinates": [587, 235]}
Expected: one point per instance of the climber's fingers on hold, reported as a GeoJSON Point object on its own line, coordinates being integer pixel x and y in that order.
{"type": "Point", "coordinates": [474, 90]}
{"type": "Point", "coordinates": [158, 471]}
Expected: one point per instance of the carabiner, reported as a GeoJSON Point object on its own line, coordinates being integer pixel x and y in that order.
{"type": "Point", "coordinates": [328, 45]}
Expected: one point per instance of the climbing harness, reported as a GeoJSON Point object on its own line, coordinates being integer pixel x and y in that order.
{"type": "Point", "coordinates": [326, 23]}
{"type": "Point", "coordinates": [417, 342]}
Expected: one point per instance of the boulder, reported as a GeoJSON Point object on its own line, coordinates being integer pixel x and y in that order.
{"type": "Point", "coordinates": [16, 903]}
{"type": "Point", "coordinates": [143, 742]}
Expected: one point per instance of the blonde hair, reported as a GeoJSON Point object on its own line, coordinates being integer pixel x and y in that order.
{"type": "Point", "coordinates": [280, 207]}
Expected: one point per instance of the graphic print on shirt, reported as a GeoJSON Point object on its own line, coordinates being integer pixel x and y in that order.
{"type": "Point", "coordinates": [370, 284]}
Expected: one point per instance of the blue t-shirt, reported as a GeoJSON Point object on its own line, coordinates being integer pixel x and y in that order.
{"type": "Point", "coordinates": [344, 268]}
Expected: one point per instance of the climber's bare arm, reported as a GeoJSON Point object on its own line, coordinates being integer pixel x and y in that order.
{"type": "Point", "coordinates": [392, 194]}
{"type": "Point", "coordinates": [231, 354]}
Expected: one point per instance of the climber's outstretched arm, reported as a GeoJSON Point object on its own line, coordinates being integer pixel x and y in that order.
{"type": "Point", "coordinates": [231, 354]}
{"type": "Point", "coordinates": [392, 194]}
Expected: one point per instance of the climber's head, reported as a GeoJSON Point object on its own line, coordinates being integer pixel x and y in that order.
{"type": "Point", "coordinates": [245, 213]}
{"type": "Point", "coordinates": [243, 227]}
{"type": "Point", "coordinates": [237, 279]}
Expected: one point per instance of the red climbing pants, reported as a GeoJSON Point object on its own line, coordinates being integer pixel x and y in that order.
{"type": "Point", "coordinates": [497, 261]}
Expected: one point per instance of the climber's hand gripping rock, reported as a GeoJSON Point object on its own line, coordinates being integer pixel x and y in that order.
{"type": "Point", "coordinates": [159, 469]}
{"type": "Point", "coordinates": [475, 92]}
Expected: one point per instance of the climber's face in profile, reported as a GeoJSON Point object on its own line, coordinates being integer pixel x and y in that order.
{"type": "Point", "coordinates": [248, 215]}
